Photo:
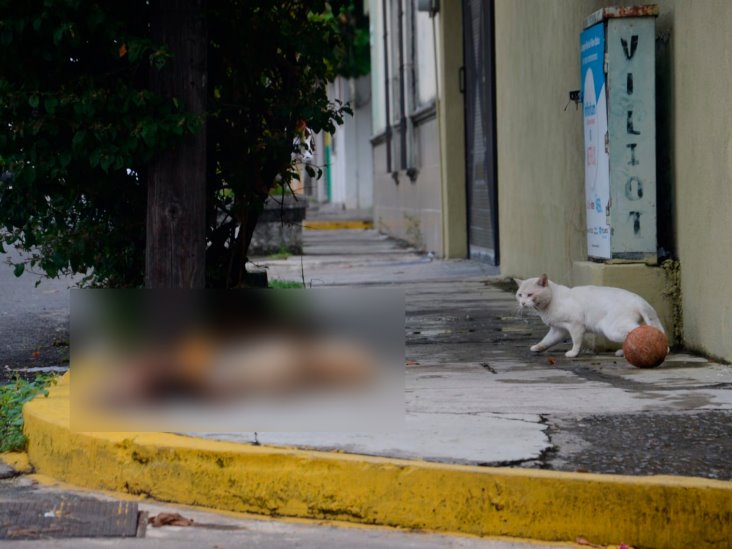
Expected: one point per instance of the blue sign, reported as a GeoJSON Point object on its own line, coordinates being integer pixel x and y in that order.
{"type": "Point", "coordinates": [597, 165]}
{"type": "Point", "coordinates": [592, 52]}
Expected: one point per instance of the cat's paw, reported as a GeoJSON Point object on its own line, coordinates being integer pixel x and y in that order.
{"type": "Point", "coordinates": [619, 352]}
{"type": "Point", "coordinates": [571, 354]}
{"type": "Point", "coordinates": [536, 348]}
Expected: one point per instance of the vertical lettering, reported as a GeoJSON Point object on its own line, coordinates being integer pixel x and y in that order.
{"type": "Point", "coordinates": [633, 161]}
{"type": "Point", "coordinates": [633, 46]}
{"type": "Point", "coordinates": [631, 130]}
{"type": "Point", "coordinates": [629, 191]}
{"type": "Point", "coordinates": [636, 221]}
{"type": "Point", "coordinates": [629, 84]}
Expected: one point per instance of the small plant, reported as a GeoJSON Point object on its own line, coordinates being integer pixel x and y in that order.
{"type": "Point", "coordinates": [282, 253]}
{"type": "Point", "coordinates": [285, 284]}
{"type": "Point", "coordinates": [12, 397]}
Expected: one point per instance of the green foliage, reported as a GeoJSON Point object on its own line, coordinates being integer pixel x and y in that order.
{"type": "Point", "coordinates": [81, 124]}
{"type": "Point", "coordinates": [268, 84]}
{"type": "Point", "coordinates": [285, 284]}
{"type": "Point", "coordinates": [12, 398]}
{"type": "Point", "coordinates": [354, 54]}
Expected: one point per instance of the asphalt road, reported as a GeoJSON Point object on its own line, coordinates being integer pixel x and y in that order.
{"type": "Point", "coordinates": [33, 319]}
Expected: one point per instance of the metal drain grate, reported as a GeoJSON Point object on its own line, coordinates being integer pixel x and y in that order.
{"type": "Point", "coordinates": [70, 518]}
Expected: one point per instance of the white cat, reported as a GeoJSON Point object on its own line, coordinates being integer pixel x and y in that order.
{"type": "Point", "coordinates": [611, 312]}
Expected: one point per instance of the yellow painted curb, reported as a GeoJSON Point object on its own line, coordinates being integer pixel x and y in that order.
{"type": "Point", "coordinates": [51, 482]}
{"type": "Point", "coordinates": [522, 503]}
{"type": "Point", "coordinates": [314, 225]}
{"type": "Point", "coordinates": [17, 460]}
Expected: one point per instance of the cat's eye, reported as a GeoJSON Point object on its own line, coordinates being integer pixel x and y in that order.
{"type": "Point", "coordinates": [529, 295]}
{"type": "Point", "coordinates": [520, 295]}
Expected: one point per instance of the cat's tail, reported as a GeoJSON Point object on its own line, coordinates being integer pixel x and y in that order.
{"type": "Point", "coordinates": [651, 318]}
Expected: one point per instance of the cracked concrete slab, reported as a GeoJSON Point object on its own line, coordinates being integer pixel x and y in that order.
{"type": "Point", "coordinates": [446, 437]}
{"type": "Point", "coordinates": [490, 400]}
{"type": "Point", "coordinates": [456, 425]}
{"type": "Point", "coordinates": [475, 394]}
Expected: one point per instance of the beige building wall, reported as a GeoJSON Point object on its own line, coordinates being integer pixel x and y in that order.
{"type": "Point", "coordinates": [702, 135]}
{"type": "Point", "coordinates": [429, 212]}
{"type": "Point", "coordinates": [411, 210]}
{"type": "Point", "coordinates": [540, 150]}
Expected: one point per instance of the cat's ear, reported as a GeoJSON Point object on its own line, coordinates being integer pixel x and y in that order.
{"type": "Point", "coordinates": [543, 280]}
{"type": "Point", "coordinates": [518, 281]}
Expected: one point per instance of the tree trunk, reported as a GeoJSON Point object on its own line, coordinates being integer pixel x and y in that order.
{"type": "Point", "coordinates": [176, 207]}
{"type": "Point", "coordinates": [248, 214]}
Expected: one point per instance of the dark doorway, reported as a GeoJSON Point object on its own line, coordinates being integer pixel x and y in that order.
{"type": "Point", "coordinates": [480, 130]}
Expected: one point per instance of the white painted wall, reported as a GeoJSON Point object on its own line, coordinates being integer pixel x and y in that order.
{"type": "Point", "coordinates": [351, 161]}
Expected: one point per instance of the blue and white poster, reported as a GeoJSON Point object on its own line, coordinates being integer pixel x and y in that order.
{"type": "Point", "coordinates": [597, 165]}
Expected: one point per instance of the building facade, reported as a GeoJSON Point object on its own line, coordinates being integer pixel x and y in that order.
{"type": "Point", "coordinates": [493, 166]}
{"type": "Point", "coordinates": [406, 148]}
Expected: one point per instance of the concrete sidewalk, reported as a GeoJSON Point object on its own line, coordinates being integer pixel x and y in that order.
{"type": "Point", "coordinates": [477, 395]}
{"type": "Point", "coordinates": [332, 217]}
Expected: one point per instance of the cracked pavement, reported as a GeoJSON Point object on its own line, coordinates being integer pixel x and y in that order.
{"type": "Point", "coordinates": [475, 394]}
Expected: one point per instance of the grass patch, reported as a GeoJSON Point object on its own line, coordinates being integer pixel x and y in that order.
{"type": "Point", "coordinates": [282, 253]}
{"type": "Point", "coordinates": [285, 284]}
{"type": "Point", "coordinates": [12, 397]}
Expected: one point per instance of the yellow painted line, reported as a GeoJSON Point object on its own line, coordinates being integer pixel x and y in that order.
{"type": "Point", "coordinates": [659, 511]}
{"type": "Point", "coordinates": [314, 225]}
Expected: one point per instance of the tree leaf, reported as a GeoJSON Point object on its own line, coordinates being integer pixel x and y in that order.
{"type": "Point", "coordinates": [50, 103]}
{"type": "Point", "coordinates": [85, 68]}
{"type": "Point", "coordinates": [19, 269]}
{"type": "Point", "coordinates": [94, 158]}
{"type": "Point", "coordinates": [78, 139]}
{"type": "Point", "coordinates": [106, 162]}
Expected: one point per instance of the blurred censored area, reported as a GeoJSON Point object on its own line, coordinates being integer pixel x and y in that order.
{"type": "Point", "coordinates": [237, 360]}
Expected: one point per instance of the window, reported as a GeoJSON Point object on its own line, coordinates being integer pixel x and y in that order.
{"type": "Point", "coordinates": [424, 46]}
{"type": "Point", "coordinates": [402, 74]}
{"type": "Point", "coordinates": [378, 112]}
